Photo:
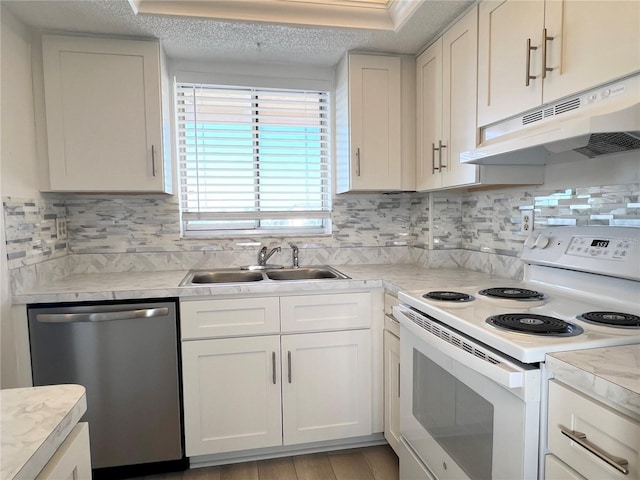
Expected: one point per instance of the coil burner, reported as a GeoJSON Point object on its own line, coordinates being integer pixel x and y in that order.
{"type": "Point", "coordinates": [534, 324]}
{"type": "Point", "coordinates": [512, 293]}
{"type": "Point", "coordinates": [611, 319]}
{"type": "Point", "coordinates": [446, 296]}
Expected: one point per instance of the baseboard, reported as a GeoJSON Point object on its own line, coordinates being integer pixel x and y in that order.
{"type": "Point", "coordinates": [285, 451]}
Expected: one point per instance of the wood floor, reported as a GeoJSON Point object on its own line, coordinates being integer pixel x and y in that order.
{"type": "Point", "coordinates": [371, 463]}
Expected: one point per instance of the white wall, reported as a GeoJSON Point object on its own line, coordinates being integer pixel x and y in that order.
{"type": "Point", "coordinates": [18, 166]}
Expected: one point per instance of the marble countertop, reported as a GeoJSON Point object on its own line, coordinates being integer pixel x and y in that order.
{"type": "Point", "coordinates": [34, 422]}
{"type": "Point", "coordinates": [133, 285]}
{"type": "Point", "coordinates": [610, 374]}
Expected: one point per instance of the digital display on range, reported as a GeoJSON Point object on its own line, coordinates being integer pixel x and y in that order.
{"type": "Point", "coordinates": [600, 243]}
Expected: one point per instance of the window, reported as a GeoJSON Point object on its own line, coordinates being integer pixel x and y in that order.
{"type": "Point", "coordinates": [253, 160]}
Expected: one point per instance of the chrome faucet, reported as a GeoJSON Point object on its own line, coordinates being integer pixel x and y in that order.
{"type": "Point", "coordinates": [263, 256]}
{"type": "Point", "coordinates": [296, 259]}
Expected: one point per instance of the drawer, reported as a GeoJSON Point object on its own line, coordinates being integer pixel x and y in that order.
{"type": "Point", "coordinates": [389, 302]}
{"type": "Point", "coordinates": [554, 469]}
{"type": "Point", "coordinates": [229, 317]}
{"type": "Point", "coordinates": [307, 313]}
{"type": "Point", "coordinates": [390, 323]}
{"type": "Point", "coordinates": [607, 431]}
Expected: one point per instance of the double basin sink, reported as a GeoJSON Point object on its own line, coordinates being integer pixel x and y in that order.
{"type": "Point", "coordinates": [240, 275]}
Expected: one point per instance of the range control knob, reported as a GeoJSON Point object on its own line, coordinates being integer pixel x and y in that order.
{"type": "Point", "coordinates": [530, 242]}
{"type": "Point", "coordinates": [542, 241]}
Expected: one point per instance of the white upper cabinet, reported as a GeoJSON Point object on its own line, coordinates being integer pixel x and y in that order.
{"type": "Point", "coordinates": [104, 115]}
{"type": "Point", "coordinates": [534, 52]}
{"type": "Point", "coordinates": [370, 114]}
{"type": "Point", "coordinates": [446, 115]}
{"type": "Point", "coordinates": [429, 118]}
{"type": "Point", "coordinates": [597, 41]}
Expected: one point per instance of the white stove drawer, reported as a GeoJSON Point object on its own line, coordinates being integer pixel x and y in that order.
{"type": "Point", "coordinates": [590, 437]}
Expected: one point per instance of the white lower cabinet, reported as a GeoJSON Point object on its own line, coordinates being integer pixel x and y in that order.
{"type": "Point", "coordinates": [72, 460]}
{"type": "Point", "coordinates": [593, 440]}
{"type": "Point", "coordinates": [231, 394]}
{"type": "Point", "coordinates": [391, 365]}
{"type": "Point", "coordinates": [554, 469]}
{"type": "Point", "coordinates": [392, 390]}
{"type": "Point", "coordinates": [277, 387]}
{"type": "Point", "coordinates": [326, 387]}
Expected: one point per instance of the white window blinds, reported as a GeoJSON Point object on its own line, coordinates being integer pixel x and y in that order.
{"type": "Point", "coordinates": [253, 159]}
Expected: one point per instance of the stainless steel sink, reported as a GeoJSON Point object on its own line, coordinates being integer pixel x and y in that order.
{"type": "Point", "coordinates": [196, 277]}
{"type": "Point", "coordinates": [237, 275]}
{"type": "Point", "coordinates": [305, 273]}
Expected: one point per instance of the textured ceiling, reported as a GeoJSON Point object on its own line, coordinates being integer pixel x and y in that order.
{"type": "Point", "coordinates": [235, 41]}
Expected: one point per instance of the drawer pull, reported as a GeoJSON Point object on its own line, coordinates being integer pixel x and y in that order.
{"type": "Point", "coordinates": [580, 438]}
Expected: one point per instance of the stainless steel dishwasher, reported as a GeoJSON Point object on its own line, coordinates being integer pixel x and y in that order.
{"type": "Point", "coordinates": [126, 356]}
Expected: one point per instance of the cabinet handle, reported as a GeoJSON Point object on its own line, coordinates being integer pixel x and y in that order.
{"type": "Point", "coordinates": [528, 69]}
{"type": "Point", "coordinates": [434, 169]}
{"type": "Point", "coordinates": [273, 365]}
{"type": "Point", "coordinates": [358, 161]}
{"type": "Point", "coordinates": [545, 38]}
{"type": "Point", "coordinates": [153, 160]}
{"type": "Point", "coordinates": [440, 147]}
{"type": "Point", "coordinates": [289, 366]}
{"type": "Point", "coordinates": [398, 380]}
{"type": "Point", "coordinates": [102, 316]}
{"type": "Point", "coordinates": [580, 438]}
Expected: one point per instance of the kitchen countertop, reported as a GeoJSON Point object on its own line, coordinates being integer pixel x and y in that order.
{"type": "Point", "coordinates": [135, 285]}
{"type": "Point", "coordinates": [34, 422]}
{"type": "Point", "coordinates": [610, 374]}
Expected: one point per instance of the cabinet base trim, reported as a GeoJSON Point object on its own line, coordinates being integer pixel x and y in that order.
{"type": "Point", "coordinates": [285, 451]}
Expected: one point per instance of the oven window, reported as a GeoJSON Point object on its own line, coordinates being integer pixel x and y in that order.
{"type": "Point", "coordinates": [459, 419]}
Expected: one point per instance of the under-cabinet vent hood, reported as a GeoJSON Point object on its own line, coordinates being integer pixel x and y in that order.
{"type": "Point", "coordinates": [602, 121]}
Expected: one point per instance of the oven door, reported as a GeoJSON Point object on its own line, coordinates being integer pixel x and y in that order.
{"type": "Point", "coordinates": [466, 411]}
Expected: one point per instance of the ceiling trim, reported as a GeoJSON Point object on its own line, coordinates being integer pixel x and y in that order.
{"type": "Point", "coordinates": [373, 14]}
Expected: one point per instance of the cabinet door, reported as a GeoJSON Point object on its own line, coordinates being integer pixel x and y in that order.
{"type": "Point", "coordinates": [459, 75]}
{"type": "Point", "coordinates": [429, 117]}
{"type": "Point", "coordinates": [392, 390]}
{"type": "Point", "coordinates": [326, 388]}
{"type": "Point", "coordinates": [503, 30]}
{"type": "Point", "coordinates": [72, 460]}
{"type": "Point", "coordinates": [103, 114]}
{"type": "Point", "coordinates": [375, 122]}
{"type": "Point", "coordinates": [582, 58]}
{"type": "Point", "coordinates": [231, 394]}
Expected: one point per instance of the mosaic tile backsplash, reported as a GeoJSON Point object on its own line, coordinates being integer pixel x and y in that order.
{"type": "Point", "coordinates": [31, 230]}
{"type": "Point", "coordinates": [102, 230]}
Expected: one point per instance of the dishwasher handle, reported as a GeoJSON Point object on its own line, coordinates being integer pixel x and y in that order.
{"type": "Point", "coordinates": [101, 316]}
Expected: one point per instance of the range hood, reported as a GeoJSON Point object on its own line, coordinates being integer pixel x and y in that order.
{"type": "Point", "coordinates": [602, 121]}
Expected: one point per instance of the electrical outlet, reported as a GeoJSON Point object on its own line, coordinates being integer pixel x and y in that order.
{"type": "Point", "coordinates": [61, 228]}
{"type": "Point", "coordinates": [526, 224]}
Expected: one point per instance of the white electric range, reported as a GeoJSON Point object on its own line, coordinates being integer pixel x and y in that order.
{"type": "Point", "coordinates": [472, 358]}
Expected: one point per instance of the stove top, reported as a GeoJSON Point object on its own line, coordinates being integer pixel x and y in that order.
{"type": "Point", "coordinates": [561, 305]}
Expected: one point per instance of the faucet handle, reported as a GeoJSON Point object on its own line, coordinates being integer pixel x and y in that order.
{"type": "Point", "coordinates": [296, 259]}
{"type": "Point", "coordinates": [262, 256]}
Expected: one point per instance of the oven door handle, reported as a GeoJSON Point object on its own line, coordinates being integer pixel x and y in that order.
{"type": "Point", "coordinates": [463, 351]}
